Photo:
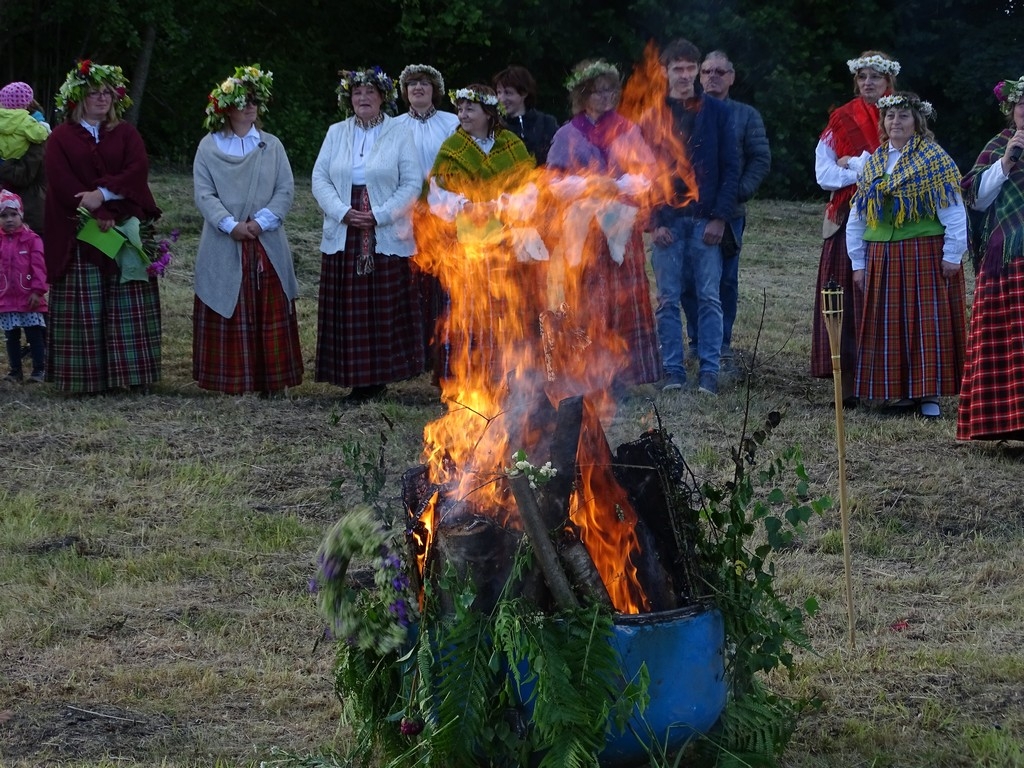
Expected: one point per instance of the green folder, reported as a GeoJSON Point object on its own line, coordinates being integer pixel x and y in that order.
{"type": "Point", "coordinates": [109, 242]}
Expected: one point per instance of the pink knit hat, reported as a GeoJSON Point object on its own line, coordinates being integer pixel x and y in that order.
{"type": "Point", "coordinates": [10, 200]}
{"type": "Point", "coordinates": [16, 95]}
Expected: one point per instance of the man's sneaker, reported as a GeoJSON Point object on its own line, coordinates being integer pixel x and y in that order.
{"type": "Point", "coordinates": [672, 382]}
{"type": "Point", "coordinates": [13, 378]}
{"type": "Point", "coordinates": [38, 377]}
{"type": "Point", "coordinates": [708, 384]}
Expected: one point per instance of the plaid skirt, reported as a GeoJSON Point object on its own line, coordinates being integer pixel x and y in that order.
{"type": "Point", "coordinates": [992, 394]}
{"type": "Point", "coordinates": [835, 265]}
{"type": "Point", "coordinates": [369, 328]}
{"type": "Point", "coordinates": [103, 334]}
{"type": "Point", "coordinates": [257, 348]}
{"type": "Point", "coordinates": [614, 303]}
{"type": "Point", "coordinates": [913, 329]}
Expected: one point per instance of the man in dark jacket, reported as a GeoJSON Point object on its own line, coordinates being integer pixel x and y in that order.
{"type": "Point", "coordinates": [699, 151]}
{"type": "Point", "coordinates": [717, 76]}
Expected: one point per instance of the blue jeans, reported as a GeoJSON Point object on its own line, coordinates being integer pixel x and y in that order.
{"type": "Point", "coordinates": [728, 289]}
{"type": "Point", "coordinates": [687, 260]}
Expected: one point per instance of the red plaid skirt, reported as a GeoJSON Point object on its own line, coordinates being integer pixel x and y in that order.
{"type": "Point", "coordinates": [913, 329]}
{"type": "Point", "coordinates": [257, 348]}
{"type": "Point", "coordinates": [614, 301]}
{"type": "Point", "coordinates": [835, 265]}
{"type": "Point", "coordinates": [369, 328]}
{"type": "Point", "coordinates": [992, 395]}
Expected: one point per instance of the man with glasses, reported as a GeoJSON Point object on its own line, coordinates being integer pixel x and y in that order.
{"type": "Point", "coordinates": [696, 146]}
{"type": "Point", "coordinates": [717, 76]}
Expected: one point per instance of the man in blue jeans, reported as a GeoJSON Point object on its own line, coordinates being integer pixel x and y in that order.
{"type": "Point", "coordinates": [717, 76]}
{"type": "Point", "coordinates": [687, 229]}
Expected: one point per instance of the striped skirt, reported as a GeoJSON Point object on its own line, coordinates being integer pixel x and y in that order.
{"type": "Point", "coordinates": [369, 328]}
{"type": "Point", "coordinates": [913, 329]}
{"type": "Point", "coordinates": [103, 334]}
{"type": "Point", "coordinates": [835, 265]}
{"type": "Point", "coordinates": [257, 348]}
{"type": "Point", "coordinates": [992, 395]}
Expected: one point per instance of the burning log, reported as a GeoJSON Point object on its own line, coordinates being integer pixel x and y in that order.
{"type": "Point", "coordinates": [481, 552]}
{"type": "Point", "coordinates": [547, 557]}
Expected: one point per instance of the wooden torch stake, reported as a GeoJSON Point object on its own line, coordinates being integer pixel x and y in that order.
{"type": "Point", "coordinates": [832, 310]}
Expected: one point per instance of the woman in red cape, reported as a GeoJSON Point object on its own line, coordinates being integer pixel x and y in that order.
{"type": "Point", "coordinates": [104, 328]}
{"type": "Point", "coordinates": [844, 146]}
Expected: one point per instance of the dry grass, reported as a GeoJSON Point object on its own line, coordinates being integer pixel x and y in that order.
{"type": "Point", "coordinates": [154, 551]}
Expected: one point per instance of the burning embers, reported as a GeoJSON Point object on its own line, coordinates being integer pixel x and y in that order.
{"type": "Point", "coordinates": [602, 530]}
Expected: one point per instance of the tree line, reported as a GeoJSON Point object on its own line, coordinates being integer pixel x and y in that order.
{"type": "Point", "coordinates": [789, 55]}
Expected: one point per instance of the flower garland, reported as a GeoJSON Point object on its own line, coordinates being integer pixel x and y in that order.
{"type": "Point", "coordinates": [377, 619]}
{"type": "Point", "coordinates": [247, 83]}
{"type": "Point", "coordinates": [415, 69]}
{"type": "Point", "coordinates": [875, 62]}
{"type": "Point", "coordinates": [471, 94]}
{"type": "Point", "coordinates": [903, 101]}
{"type": "Point", "coordinates": [593, 70]}
{"type": "Point", "coordinates": [1008, 93]}
{"type": "Point", "coordinates": [86, 77]}
{"type": "Point", "coordinates": [348, 79]}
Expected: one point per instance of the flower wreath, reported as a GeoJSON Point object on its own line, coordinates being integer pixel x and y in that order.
{"type": "Point", "coordinates": [249, 82]}
{"type": "Point", "coordinates": [875, 62]}
{"type": "Point", "coordinates": [414, 69]}
{"type": "Point", "coordinates": [1008, 93]}
{"type": "Point", "coordinates": [348, 79]}
{"type": "Point", "coordinates": [87, 76]}
{"type": "Point", "coordinates": [903, 101]}
{"type": "Point", "coordinates": [471, 94]}
{"type": "Point", "coordinates": [592, 70]}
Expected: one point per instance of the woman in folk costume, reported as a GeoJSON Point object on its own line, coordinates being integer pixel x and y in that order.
{"type": "Point", "coordinates": [906, 236]}
{"type": "Point", "coordinates": [421, 86]}
{"type": "Point", "coordinates": [850, 136]}
{"type": "Point", "coordinates": [104, 331]}
{"type": "Point", "coordinates": [366, 179]}
{"type": "Point", "coordinates": [480, 183]}
{"type": "Point", "coordinates": [245, 330]}
{"type": "Point", "coordinates": [600, 165]}
{"type": "Point", "coordinates": [992, 392]}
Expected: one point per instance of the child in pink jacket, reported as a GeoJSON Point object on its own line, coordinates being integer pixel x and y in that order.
{"type": "Point", "coordinates": [22, 289]}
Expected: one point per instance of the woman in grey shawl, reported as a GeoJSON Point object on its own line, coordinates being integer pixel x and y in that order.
{"type": "Point", "coordinates": [246, 333]}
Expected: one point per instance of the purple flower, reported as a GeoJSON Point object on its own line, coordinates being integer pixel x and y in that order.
{"type": "Point", "coordinates": [313, 586]}
{"type": "Point", "coordinates": [400, 611]}
{"type": "Point", "coordinates": [999, 90]}
{"type": "Point", "coordinates": [411, 726]}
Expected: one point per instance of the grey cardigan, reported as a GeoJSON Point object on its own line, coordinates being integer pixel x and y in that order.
{"type": "Point", "coordinates": [239, 187]}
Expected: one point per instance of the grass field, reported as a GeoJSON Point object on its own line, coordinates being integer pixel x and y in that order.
{"type": "Point", "coordinates": [155, 550]}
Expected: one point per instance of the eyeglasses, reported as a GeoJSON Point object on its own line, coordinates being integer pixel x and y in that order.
{"type": "Point", "coordinates": [99, 94]}
{"type": "Point", "coordinates": [715, 71]}
{"type": "Point", "coordinates": [253, 102]}
{"type": "Point", "coordinates": [414, 83]}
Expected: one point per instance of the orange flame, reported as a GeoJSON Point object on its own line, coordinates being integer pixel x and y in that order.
{"type": "Point", "coordinates": [497, 365]}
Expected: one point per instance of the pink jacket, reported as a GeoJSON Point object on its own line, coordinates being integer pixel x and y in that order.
{"type": "Point", "coordinates": [22, 270]}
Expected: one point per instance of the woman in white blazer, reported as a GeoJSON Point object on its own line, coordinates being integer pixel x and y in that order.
{"type": "Point", "coordinates": [366, 180]}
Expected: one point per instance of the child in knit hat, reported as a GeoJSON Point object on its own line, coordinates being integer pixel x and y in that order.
{"type": "Point", "coordinates": [22, 289]}
{"type": "Point", "coordinates": [18, 129]}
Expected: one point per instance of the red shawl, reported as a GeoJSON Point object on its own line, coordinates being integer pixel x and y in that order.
{"type": "Point", "coordinates": [75, 163]}
{"type": "Point", "coordinates": [852, 129]}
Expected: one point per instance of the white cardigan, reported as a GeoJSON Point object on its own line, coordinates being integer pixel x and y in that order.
{"type": "Point", "coordinates": [393, 182]}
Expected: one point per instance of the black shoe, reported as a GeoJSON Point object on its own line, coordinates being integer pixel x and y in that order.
{"type": "Point", "coordinates": [363, 394]}
{"type": "Point", "coordinates": [851, 402]}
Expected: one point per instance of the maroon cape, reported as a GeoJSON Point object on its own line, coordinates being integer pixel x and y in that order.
{"type": "Point", "coordinates": [75, 163]}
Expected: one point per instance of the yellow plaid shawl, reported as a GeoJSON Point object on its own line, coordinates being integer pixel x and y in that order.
{"type": "Point", "coordinates": [923, 180]}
